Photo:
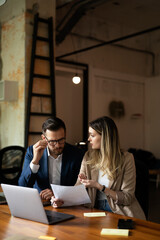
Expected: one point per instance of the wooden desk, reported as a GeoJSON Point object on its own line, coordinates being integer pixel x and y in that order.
{"type": "Point", "coordinates": [74, 229]}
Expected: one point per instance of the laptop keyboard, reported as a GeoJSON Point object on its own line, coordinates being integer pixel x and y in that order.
{"type": "Point", "coordinates": [2, 199]}
{"type": "Point", "coordinates": [51, 216]}
{"type": "Point", "coordinates": [55, 217]}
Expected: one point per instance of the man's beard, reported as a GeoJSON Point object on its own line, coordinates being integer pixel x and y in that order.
{"type": "Point", "coordinates": [57, 151]}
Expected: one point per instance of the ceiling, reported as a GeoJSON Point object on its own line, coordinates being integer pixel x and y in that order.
{"type": "Point", "coordinates": [106, 20]}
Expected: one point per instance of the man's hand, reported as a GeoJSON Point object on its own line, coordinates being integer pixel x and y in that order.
{"type": "Point", "coordinates": [38, 150]}
{"type": "Point", "coordinates": [46, 194]}
{"type": "Point", "coordinates": [55, 202]}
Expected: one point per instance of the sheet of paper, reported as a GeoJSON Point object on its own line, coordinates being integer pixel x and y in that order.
{"type": "Point", "coordinates": [71, 195]}
{"type": "Point", "coordinates": [94, 214]}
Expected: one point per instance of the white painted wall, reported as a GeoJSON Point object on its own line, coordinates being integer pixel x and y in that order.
{"type": "Point", "coordinates": [13, 61]}
{"type": "Point", "coordinates": [140, 95]}
{"type": "Point", "coordinates": [69, 104]}
{"type": "Point", "coordinates": [110, 86]}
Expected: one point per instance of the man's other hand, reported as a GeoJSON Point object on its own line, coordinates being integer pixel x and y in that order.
{"type": "Point", "coordinates": [46, 194]}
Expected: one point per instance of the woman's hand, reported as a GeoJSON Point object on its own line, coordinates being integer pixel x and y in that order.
{"type": "Point", "coordinates": [55, 202]}
{"type": "Point", "coordinates": [89, 183]}
{"type": "Point", "coordinates": [81, 176]}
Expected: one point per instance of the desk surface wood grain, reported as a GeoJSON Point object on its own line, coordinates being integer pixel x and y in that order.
{"type": "Point", "coordinates": [79, 228]}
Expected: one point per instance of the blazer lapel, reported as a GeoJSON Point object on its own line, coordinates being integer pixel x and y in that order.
{"type": "Point", "coordinates": [44, 165]}
{"type": "Point", "coordinates": [110, 183]}
{"type": "Point", "coordinates": [94, 174]}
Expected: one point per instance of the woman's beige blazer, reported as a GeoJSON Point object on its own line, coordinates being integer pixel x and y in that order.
{"type": "Point", "coordinates": [126, 203]}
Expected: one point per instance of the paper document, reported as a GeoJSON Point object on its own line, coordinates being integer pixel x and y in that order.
{"type": "Point", "coordinates": [71, 195]}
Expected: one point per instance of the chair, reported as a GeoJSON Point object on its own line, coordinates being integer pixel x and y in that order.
{"type": "Point", "coordinates": [11, 161]}
{"type": "Point", "coordinates": [142, 186]}
{"type": "Point", "coordinates": [150, 161]}
{"type": "Point", "coordinates": [155, 172]}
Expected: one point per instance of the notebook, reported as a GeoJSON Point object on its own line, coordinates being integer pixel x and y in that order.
{"type": "Point", "coordinates": [26, 203]}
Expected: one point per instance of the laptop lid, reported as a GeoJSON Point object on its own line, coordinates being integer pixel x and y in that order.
{"type": "Point", "coordinates": [26, 203]}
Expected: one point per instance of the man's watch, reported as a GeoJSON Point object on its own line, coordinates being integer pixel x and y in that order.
{"type": "Point", "coordinates": [103, 189]}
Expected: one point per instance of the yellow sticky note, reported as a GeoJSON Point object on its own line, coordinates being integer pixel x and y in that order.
{"type": "Point", "coordinates": [95, 214]}
{"type": "Point", "coordinates": [115, 232]}
{"type": "Point", "coordinates": [47, 238]}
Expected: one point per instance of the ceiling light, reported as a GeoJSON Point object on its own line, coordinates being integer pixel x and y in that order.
{"type": "Point", "coordinates": [76, 79]}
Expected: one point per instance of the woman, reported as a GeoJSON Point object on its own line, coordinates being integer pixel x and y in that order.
{"type": "Point", "coordinates": [107, 172]}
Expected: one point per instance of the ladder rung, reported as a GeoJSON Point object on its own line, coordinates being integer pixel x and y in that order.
{"type": "Point", "coordinates": [42, 57]}
{"type": "Point", "coordinates": [41, 95]}
{"type": "Point", "coordinates": [41, 76]}
{"type": "Point", "coordinates": [48, 78]}
{"type": "Point", "coordinates": [40, 114]}
{"type": "Point", "coordinates": [43, 20]}
{"type": "Point", "coordinates": [42, 39]}
{"type": "Point", "coordinates": [35, 133]}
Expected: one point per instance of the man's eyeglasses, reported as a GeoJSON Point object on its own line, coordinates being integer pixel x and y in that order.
{"type": "Point", "coordinates": [54, 142]}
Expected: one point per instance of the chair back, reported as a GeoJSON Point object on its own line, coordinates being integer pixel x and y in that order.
{"type": "Point", "coordinates": [142, 185]}
{"type": "Point", "coordinates": [11, 161]}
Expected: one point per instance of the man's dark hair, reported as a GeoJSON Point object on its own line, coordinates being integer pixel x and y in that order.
{"type": "Point", "coordinates": [53, 124]}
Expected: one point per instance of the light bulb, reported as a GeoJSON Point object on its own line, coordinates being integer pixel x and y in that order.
{"type": "Point", "coordinates": [76, 79]}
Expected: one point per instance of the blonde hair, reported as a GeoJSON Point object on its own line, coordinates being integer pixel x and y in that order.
{"type": "Point", "coordinates": [109, 157]}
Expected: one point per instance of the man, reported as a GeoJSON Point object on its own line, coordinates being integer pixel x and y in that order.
{"type": "Point", "coordinates": [51, 160]}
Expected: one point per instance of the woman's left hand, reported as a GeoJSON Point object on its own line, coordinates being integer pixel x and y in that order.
{"type": "Point", "coordinates": [89, 183]}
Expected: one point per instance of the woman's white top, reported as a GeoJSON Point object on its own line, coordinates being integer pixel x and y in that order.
{"type": "Point", "coordinates": [103, 180]}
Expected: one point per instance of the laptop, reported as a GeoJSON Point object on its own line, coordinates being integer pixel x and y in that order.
{"type": "Point", "coordinates": [26, 203]}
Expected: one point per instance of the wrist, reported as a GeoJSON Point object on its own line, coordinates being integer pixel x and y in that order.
{"type": "Point", "coordinates": [102, 188]}
{"type": "Point", "coordinates": [98, 186]}
{"type": "Point", "coordinates": [34, 168]}
{"type": "Point", "coordinates": [35, 161]}
{"type": "Point", "coordinates": [107, 192]}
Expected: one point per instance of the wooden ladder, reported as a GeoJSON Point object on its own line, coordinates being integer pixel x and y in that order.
{"type": "Point", "coordinates": [41, 102]}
